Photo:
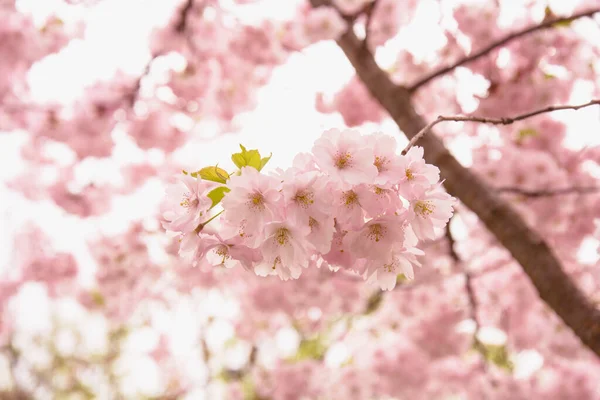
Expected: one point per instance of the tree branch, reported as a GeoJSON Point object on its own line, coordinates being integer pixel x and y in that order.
{"type": "Point", "coordinates": [183, 16]}
{"type": "Point", "coordinates": [501, 42]}
{"type": "Point", "coordinates": [369, 13]}
{"type": "Point", "coordinates": [492, 121]}
{"type": "Point", "coordinates": [473, 303]}
{"type": "Point", "coordinates": [550, 192]}
{"type": "Point", "coordinates": [180, 27]}
{"type": "Point", "coordinates": [539, 262]}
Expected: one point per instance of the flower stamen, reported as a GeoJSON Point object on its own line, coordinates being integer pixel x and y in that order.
{"type": "Point", "coordinates": [350, 198]}
{"type": "Point", "coordinates": [282, 236]}
{"type": "Point", "coordinates": [343, 160]}
{"type": "Point", "coordinates": [304, 198]}
{"type": "Point", "coordinates": [424, 208]}
{"type": "Point", "coordinates": [376, 232]}
{"type": "Point", "coordinates": [380, 163]}
{"type": "Point", "coordinates": [256, 202]}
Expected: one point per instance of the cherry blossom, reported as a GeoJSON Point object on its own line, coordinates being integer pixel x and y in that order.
{"type": "Point", "coordinates": [429, 212]}
{"type": "Point", "coordinates": [345, 156]}
{"type": "Point", "coordinates": [188, 203]}
{"type": "Point", "coordinates": [322, 271]}
{"type": "Point", "coordinates": [254, 200]}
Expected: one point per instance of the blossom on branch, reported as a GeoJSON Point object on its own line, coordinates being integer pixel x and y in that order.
{"type": "Point", "coordinates": [355, 203]}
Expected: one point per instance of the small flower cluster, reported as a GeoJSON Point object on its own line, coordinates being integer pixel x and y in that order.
{"type": "Point", "coordinates": [354, 203]}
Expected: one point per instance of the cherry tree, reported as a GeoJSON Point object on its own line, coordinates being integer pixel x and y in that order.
{"type": "Point", "coordinates": [428, 226]}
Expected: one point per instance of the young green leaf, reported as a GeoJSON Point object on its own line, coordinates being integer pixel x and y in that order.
{"type": "Point", "coordinates": [247, 158]}
{"type": "Point", "coordinates": [217, 194]}
{"type": "Point", "coordinates": [264, 161]}
{"type": "Point", "coordinates": [214, 174]}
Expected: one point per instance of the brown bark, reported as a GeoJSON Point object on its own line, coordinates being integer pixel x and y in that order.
{"type": "Point", "coordinates": [538, 260]}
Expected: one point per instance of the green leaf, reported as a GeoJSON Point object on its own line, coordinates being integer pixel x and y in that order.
{"type": "Point", "coordinates": [496, 354]}
{"type": "Point", "coordinates": [247, 158]}
{"type": "Point", "coordinates": [311, 349]}
{"type": "Point", "coordinates": [264, 161]}
{"type": "Point", "coordinates": [525, 133]}
{"type": "Point", "coordinates": [248, 389]}
{"type": "Point", "coordinates": [374, 302]}
{"type": "Point", "coordinates": [563, 24]}
{"type": "Point", "coordinates": [214, 174]}
{"type": "Point", "coordinates": [217, 194]}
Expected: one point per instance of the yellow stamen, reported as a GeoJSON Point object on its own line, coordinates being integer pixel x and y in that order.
{"type": "Point", "coordinates": [304, 198]}
{"type": "Point", "coordinates": [376, 232]}
{"type": "Point", "coordinates": [256, 202]}
{"type": "Point", "coordinates": [282, 236]}
{"type": "Point", "coordinates": [343, 160]}
{"type": "Point", "coordinates": [350, 198]}
{"type": "Point", "coordinates": [276, 261]}
{"type": "Point", "coordinates": [380, 163]}
{"type": "Point", "coordinates": [223, 252]}
{"type": "Point", "coordinates": [424, 208]}
{"type": "Point", "coordinates": [378, 191]}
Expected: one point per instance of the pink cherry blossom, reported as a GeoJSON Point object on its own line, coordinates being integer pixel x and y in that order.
{"type": "Point", "coordinates": [323, 23]}
{"type": "Point", "coordinates": [377, 201]}
{"type": "Point", "coordinates": [385, 272]}
{"type": "Point", "coordinates": [429, 211]}
{"type": "Point", "coordinates": [345, 156]}
{"type": "Point", "coordinates": [187, 204]}
{"type": "Point", "coordinates": [284, 251]}
{"type": "Point", "coordinates": [416, 173]}
{"type": "Point", "coordinates": [389, 165]}
{"type": "Point", "coordinates": [322, 228]}
{"type": "Point", "coordinates": [254, 200]}
{"type": "Point", "coordinates": [305, 196]}
{"type": "Point", "coordinates": [350, 214]}
{"type": "Point", "coordinates": [214, 251]}
{"type": "Point", "coordinates": [376, 238]}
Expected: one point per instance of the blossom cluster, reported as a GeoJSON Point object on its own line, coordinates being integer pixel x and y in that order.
{"type": "Point", "coordinates": [353, 203]}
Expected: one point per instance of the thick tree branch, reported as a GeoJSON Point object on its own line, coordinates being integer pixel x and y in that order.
{"type": "Point", "coordinates": [539, 262]}
{"type": "Point", "coordinates": [492, 121]}
{"type": "Point", "coordinates": [550, 192]}
{"type": "Point", "coordinates": [499, 43]}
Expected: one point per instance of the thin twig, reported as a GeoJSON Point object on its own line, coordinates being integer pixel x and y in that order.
{"type": "Point", "coordinates": [474, 307]}
{"type": "Point", "coordinates": [473, 303]}
{"type": "Point", "coordinates": [501, 42]}
{"type": "Point", "coordinates": [453, 254]}
{"type": "Point", "coordinates": [369, 13]}
{"type": "Point", "coordinates": [183, 16]}
{"type": "Point", "coordinates": [180, 27]}
{"type": "Point", "coordinates": [550, 192]}
{"type": "Point", "coordinates": [133, 96]}
{"type": "Point", "coordinates": [493, 121]}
